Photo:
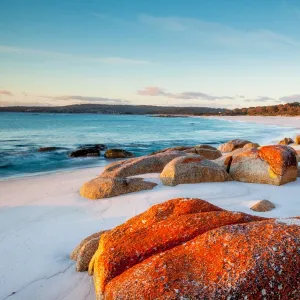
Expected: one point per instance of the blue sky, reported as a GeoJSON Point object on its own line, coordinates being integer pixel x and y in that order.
{"type": "Point", "coordinates": [217, 53]}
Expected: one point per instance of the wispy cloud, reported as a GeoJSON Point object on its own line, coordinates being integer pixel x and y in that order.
{"type": "Point", "coordinates": [157, 91]}
{"type": "Point", "coordinates": [153, 91]}
{"type": "Point", "coordinates": [220, 33]}
{"type": "Point", "coordinates": [291, 98]}
{"type": "Point", "coordinates": [5, 93]}
{"type": "Point", "coordinates": [260, 99]}
{"type": "Point", "coordinates": [87, 99]}
{"type": "Point", "coordinates": [72, 57]}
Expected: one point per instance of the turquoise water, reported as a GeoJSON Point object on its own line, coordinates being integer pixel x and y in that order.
{"type": "Point", "coordinates": [21, 135]}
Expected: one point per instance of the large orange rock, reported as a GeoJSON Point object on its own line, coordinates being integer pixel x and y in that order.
{"type": "Point", "coordinates": [192, 169]}
{"type": "Point", "coordinates": [258, 260]}
{"type": "Point", "coordinates": [140, 165]}
{"type": "Point", "coordinates": [117, 253]}
{"type": "Point", "coordinates": [233, 145]}
{"type": "Point", "coordinates": [269, 164]}
{"type": "Point", "coordinates": [170, 209]}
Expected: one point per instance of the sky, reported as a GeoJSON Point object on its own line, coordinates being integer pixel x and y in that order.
{"type": "Point", "coordinates": [216, 53]}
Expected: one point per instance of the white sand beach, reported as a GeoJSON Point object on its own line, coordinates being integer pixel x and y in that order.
{"type": "Point", "coordinates": [42, 218]}
{"type": "Point", "coordinates": [276, 120]}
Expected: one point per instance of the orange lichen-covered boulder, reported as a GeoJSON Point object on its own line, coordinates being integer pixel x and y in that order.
{"type": "Point", "coordinates": [140, 165]}
{"type": "Point", "coordinates": [118, 253]}
{"type": "Point", "coordinates": [269, 164]}
{"type": "Point", "coordinates": [192, 169]}
{"type": "Point", "coordinates": [169, 209]}
{"type": "Point", "coordinates": [258, 260]}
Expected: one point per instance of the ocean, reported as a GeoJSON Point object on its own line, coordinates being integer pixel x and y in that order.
{"type": "Point", "coordinates": [22, 134]}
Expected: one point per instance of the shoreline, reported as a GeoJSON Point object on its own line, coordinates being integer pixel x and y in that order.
{"type": "Point", "coordinates": [290, 122]}
{"type": "Point", "coordinates": [293, 122]}
{"type": "Point", "coordinates": [43, 218]}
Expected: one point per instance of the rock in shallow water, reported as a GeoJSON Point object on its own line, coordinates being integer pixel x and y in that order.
{"type": "Point", "coordinates": [48, 149]}
{"type": "Point", "coordinates": [85, 152]}
{"type": "Point", "coordinates": [117, 153]}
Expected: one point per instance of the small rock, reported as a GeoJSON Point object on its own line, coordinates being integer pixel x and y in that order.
{"type": "Point", "coordinates": [84, 252]}
{"type": "Point", "coordinates": [297, 140]}
{"type": "Point", "coordinates": [85, 152]}
{"type": "Point", "coordinates": [286, 141]}
{"type": "Point", "coordinates": [117, 153]}
{"type": "Point", "coordinates": [205, 151]}
{"type": "Point", "coordinates": [233, 145]}
{"type": "Point", "coordinates": [263, 205]}
{"type": "Point", "coordinates": [250, 146]}
{"type": "Point", "coordinates": [46, 149]}
{"type": "Point", "coordinates": [96, 146]}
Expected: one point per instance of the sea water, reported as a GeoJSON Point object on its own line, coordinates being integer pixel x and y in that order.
{"type": "Point", "coordinates": [22, 134]}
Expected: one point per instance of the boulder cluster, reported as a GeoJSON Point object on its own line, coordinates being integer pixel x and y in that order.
{"type": "Point", "coordinates": [191, 249]}
{"type": "Point", "coordinates": [238, 160]}
{"type": "Point", "coordinates": [95, 150]}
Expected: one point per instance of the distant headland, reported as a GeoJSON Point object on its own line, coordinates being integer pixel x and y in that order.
{"type": "Point", "coordinates": [289, 109]}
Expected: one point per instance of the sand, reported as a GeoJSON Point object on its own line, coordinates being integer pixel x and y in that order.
{"type": "Point", "coordinates": [43, 218]}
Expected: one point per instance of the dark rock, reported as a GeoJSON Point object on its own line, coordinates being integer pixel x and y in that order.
{"type": "Point", "coordinates": [94, 146]}
{"type": "Point", "coordinates": [85, 152]}
{"type": "Point", "coordinates": [46, 149]}
{"type": "Point", "coordinates": [117, 153]}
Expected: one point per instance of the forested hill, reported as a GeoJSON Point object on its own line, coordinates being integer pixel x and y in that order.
{"type": "Point", "coordinates": [289, 109]}
{"type": "Point", "coordinates": [116, 109]}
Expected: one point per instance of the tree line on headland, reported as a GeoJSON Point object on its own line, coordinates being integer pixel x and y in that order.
{"type": "Point", "coordinates": [289, 109]}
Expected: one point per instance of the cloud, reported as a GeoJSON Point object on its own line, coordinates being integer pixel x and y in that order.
{"type": "Point", "coordinates": [152, 91]}
{"type": "Point", "coordinates": [87, 99]}
{"type": "Point", "coordinates": [72, 57]}
{"type": "Point", "coordinates": [157, 91]}
{"type": "Point", "coordinates": [5, 93]}
{"type": "Point", "coordinates": [291, 98]}
{"type": "Point", "coordinates": [260, 99]}
{"type": "Point", "coordinates": [207, 32]}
